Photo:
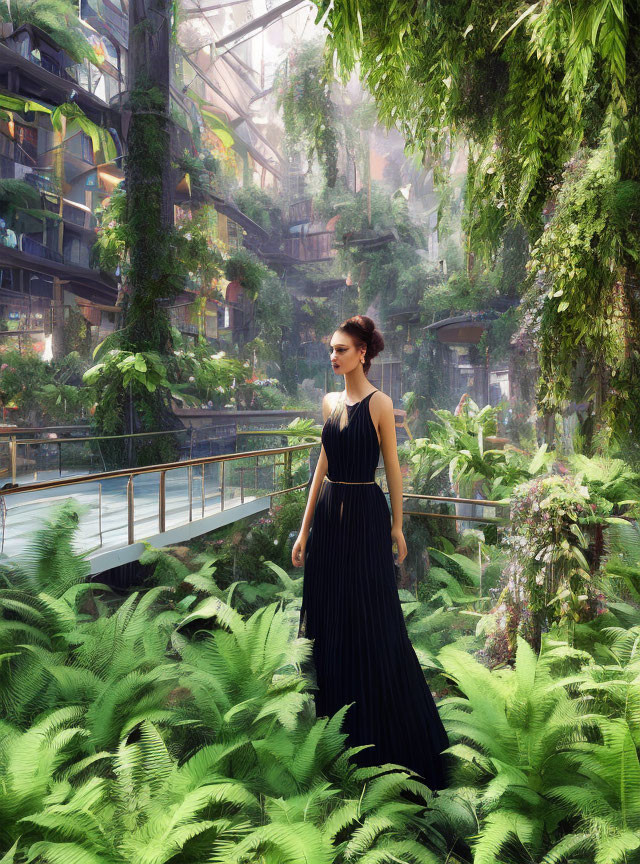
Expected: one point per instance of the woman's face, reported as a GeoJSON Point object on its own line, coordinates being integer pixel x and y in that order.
{"type": "Point", "coordinates": [345, 357]}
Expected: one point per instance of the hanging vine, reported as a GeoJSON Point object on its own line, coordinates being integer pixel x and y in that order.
{"type": "Point", "coordinates": [304, 95]}
{"type": "Point", "coordinates": [582, 315]}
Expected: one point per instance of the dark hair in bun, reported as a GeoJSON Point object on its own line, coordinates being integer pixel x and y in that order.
{"type": "Point", "coordinates": [363, 331]}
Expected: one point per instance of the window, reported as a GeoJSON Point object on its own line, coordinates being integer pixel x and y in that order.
{"type": "Point", "coordinates": [23, 44]}
{"type": "Point", "coordinates": [87, 147]}
{"type": "Point", "coordinates": [26, 139]}
{"type": "Point", "coordinates": [234, 234]}
{"type": "Point", "coordinates": [71, 249]}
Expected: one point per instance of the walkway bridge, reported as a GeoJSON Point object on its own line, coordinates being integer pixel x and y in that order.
{"type": "Point", "coordinates": [161, 504]}
{"type": "Point", "coordinates": [174, 502]}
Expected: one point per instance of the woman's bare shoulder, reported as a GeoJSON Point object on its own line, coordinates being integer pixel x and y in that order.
{"type": "Point", "coordinates": [381, 401]}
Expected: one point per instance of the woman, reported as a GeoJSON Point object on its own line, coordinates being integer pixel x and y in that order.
{"type": "Point", "coordinates": [361, 653]}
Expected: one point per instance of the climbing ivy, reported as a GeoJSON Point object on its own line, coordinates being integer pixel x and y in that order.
{"type": "Point", "coordinates": [144, 242]}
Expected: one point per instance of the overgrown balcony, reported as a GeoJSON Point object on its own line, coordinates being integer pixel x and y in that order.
{"type": "Point", "coordinates": [48, 72]}
{"type": "Point", "coordinates": [301, 212]}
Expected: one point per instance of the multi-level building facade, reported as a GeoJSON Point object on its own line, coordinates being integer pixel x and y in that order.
{"type": "Point", "coordinates": [45, 260]}
{"type": "Point", "coordinates": [48, 217]}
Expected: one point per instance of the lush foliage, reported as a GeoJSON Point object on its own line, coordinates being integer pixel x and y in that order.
{"type": "Point", "coordinates": [21, 374]}
{"type": "Point", "coordinates": [584, 319]}
{"type": "Point", "coordinates": [548, 576]}
{"type": "Point", "coordinates": [261, 207]}
{"type": "Point", "coordinates": [526, 89]}
{"type": "Point", "coordinates": [58, 18]}
{"type": "Point", "coordinates": [19, 200]}
{"type": "Point", "coordinates": [152, 728]}
{"type": "Point", "coordinates": [189, 700]}
{"type": "Point", "coordinates": [519, 87]}
{"type": "Point", "coordinates": [245, 268]}
{"type": "Point", "coordinates": [203, 376]}
{"type": "Point", "coordinates": [42, 392]}
{"type": "Point", "coordinates": [394, 274]}
{"type": "Point", "coordinates": [200, 174]}
{"type": "Point", "coordinates": [457, 443]}
{"type": "Point", "coordinates": [155, 261]}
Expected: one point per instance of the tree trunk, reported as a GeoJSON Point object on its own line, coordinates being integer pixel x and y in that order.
{"type": "Point", "coordinates": [149, 178]}
{"type": "Point", "coordinates": [150, 186]}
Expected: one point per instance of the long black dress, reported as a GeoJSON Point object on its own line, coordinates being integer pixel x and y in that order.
{"type": "Point", "coordinates": [351, 609]}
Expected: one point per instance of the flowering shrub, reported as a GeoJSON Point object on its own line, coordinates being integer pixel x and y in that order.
{"type": "Point", "coordinates": [549, 575]}
{"type": "Point", "coordinates": [202, 375]}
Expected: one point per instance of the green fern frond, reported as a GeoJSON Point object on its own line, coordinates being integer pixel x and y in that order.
{"type": "Point", "coordinates": [284, 707]}
{"type": "Point", "coordinates": [49, 563]}
{"type": "Point", "coordinates": [209, 762]}
{"type": "Point", "coordinates": [9, 856]}
{"type": "Point", "coordinates": [64, 853]}
{"type": "Point", "coordinates": [216, 609]}
{"type": "Point", "coordinates": [309, 806]}
{"type": "Point", "coordinates": [341, 818]}
{"type": "Point", "coordinates": [386, 788]}
{"type": "Point", "coordinates": [500, 827]}
{"type": "Point", "coordinates": [299, 843]}
{"type": "Point", "coordinates": [570, 847]}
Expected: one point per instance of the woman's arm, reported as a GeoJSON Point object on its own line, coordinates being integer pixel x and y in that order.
{"type": "Point", "coordinates": [314, 491]}
{"type": "Point", "coordinates": [384, 419]}
{"type": "Point", "coordinates": [297, 553]}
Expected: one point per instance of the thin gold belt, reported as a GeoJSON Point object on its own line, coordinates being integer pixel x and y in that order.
{"type": "Point", "coordinates": [350, 482]}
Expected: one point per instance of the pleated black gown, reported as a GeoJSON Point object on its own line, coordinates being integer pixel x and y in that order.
{"type": "Point", "coordinates": [351, 609]}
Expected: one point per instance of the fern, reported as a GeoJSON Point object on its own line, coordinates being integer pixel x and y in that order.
{"type": "Point", "coordinates": [512, 732]}
{"type": "Point", "coordinates": [607, 794]}
{"type": "Point", "coordinates": [32, 762]}
{"type": "Point", "coordinates": [50, 563]}
{"type": "Point", "coordinates": [168, 746]}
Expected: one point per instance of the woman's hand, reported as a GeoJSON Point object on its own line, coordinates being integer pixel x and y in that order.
{"type": "Point", "coordinates": [397, 537]}
{"type": "Point", "coordinates": [297, 553]}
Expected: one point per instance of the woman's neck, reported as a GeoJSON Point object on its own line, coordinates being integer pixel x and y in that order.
{"type": "Point", "coordinates": [356, 386]}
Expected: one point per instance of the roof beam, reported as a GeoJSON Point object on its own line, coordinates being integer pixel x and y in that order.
{"type": "Point", "coordinates": [242, 114]}
{"type": "Point", "coordinates": [259, 22]}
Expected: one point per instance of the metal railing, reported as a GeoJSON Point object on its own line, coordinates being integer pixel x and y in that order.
{"type": "Point", "coordinates": [47, 445]}
{"type": "Point", "coordinates": [228, 484]}
{"type": "Point", "coordinates": [459, 517]}
{"type": "Point", "coordinates": [46, 454]}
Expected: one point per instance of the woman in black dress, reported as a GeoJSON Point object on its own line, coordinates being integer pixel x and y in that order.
{"type": "Point", "coordinates": [362, 653]}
